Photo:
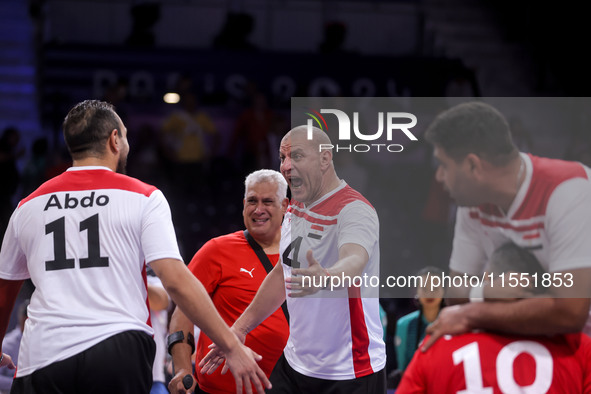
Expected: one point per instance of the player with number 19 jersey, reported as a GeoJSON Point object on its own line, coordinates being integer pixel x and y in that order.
{"type": "Point", "coordinates": [89, 233]}
{"type": "Point", "coordinates": [334, 335]}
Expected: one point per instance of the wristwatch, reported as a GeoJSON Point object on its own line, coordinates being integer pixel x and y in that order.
{"type": "Point", "coordinates": [178, 337]}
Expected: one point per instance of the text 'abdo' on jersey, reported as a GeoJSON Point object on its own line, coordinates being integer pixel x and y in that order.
{"type": "Point", "coordinates": [73, 202]}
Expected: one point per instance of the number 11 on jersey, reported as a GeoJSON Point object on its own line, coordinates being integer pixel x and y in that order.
{"type": "Point", "coordinates": [60, 261]}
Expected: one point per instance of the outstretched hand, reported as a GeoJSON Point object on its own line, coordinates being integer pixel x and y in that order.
{"type": "Point", "coordinates": [216, 356]}
{"type": "Point", "coordinates": [242, 362]}
{"type": "Point", "coordinates": [212, 360]}
{"type": "Point", "coordinates": [307, 281]}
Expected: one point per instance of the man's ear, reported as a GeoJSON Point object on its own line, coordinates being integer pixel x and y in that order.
{"type": "Point", "coordinates": [284, 204]}
{"type": "Point", "coordinates": [474, 164]}
{"type": "Point", "coordinates": [325, 158]}
{"type": "Point", "coordinates": [113, 142]}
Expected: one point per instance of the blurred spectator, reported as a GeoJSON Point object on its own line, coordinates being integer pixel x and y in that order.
{"type": "Point", "coordinates": [461, 83]}
{"type": "Point", "coordinates": [235, 32]}
{"type": "Point", "coordinates": [335, 34]}
{"type": "Point", "coordinates": [9, 175]}
{"type": "Point", "coordinates": [36, 167]}
{"type": "Point", "coordinates": [250, 140]}
{"type": "Point", "coordinates": [145, 163]}
{"type": "Point", "coordinates": [410, 329]}
{"type": "Point", "coordinates": [59, 162]}
{"type": "Point", "coordinates": [10, 346]}
{"type": "Point", "coordinates": [188, 139]}
{"type": "Point", "coordinates": [144, 16]}
{"type": "Point", "coordinates": [118, 94]}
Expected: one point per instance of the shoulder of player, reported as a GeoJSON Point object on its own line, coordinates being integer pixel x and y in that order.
{"type": "Point", "coordinates": [555, 171]}
{"type": "Point", "coordinates": [223, 244]}
{"type": "Point", "coordinates": [73, 181]}
{"type": "Point", "coordinates": [345, 199]}
{"type": "Point", "coordinates": [230, 240]}
{"type": "Point", "coordinates": [552, 177]}
{"type": "Point", "coordinates": [131, 184]}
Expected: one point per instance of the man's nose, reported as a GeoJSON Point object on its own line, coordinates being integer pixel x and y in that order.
{"type": "Point", "coordinates": [286, 164]}
{"type": "Point", "coordinates": [259, 207]}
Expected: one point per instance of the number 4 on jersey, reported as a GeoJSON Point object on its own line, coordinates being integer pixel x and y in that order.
{"type": "Point", "coordinates": [60, 262]}
{"type": "Point", "coordinates": [293, 262]}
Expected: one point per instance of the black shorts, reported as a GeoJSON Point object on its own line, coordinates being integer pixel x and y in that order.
{"type": "Point", "coordinates": [121, 364]}
{"type": "Point", "coordinates": [286, 380]}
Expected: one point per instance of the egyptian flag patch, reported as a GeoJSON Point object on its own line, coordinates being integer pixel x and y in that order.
{"type": "Point", "coordinates": [316, 231]}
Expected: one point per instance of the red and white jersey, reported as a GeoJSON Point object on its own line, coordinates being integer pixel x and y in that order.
{"type": "Point", "coordinates": [490, 363]}
{"type": "Point", "coordinates": [334, 335]}
{"type": "Point", "coordinates": [83, 238]}
{"type": "Point", "coordinates": [550, 217]}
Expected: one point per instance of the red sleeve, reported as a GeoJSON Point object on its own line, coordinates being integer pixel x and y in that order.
{"type": "Point", "coordinates": [414, 379]}
{"type": "Point", "coordinates": [206, 267]}
{"type": "Point", "coordinates": [586, 357]}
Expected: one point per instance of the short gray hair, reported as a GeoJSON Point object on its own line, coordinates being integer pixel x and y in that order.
{"type": "Point", "coordinates": [270, 176]}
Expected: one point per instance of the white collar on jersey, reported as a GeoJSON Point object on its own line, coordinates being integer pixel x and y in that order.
{"type": "Point", "coordinates": [83, 168]}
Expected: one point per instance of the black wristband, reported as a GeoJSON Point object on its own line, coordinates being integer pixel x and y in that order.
{"type": "Point", "coordinates": [178, 337]}
{"type": "Point", "coordinates": [173, 339]}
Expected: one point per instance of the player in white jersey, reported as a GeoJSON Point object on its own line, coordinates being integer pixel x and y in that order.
{"type": "Point", "coordinates": [84, 238]}
{"type": "Point", "coordinates": [540, 204]}
{"type": "Point", "coordinates": [335, 342]}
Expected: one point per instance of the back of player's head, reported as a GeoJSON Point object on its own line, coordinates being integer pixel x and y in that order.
{"type": "Point", "coordinates": [511, 258]}
{"type": "Point", "coordinates": [270, 176]}
{"type": "Point", "coordinates": [473, 127]}
{"type": "Point", "coordinates": [87, 126]}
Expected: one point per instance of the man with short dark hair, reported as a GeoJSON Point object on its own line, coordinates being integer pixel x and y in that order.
{"type": "Point", "coordinates": [503, 195]}
{"type": "Point", "coordinates": [84, 238]}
